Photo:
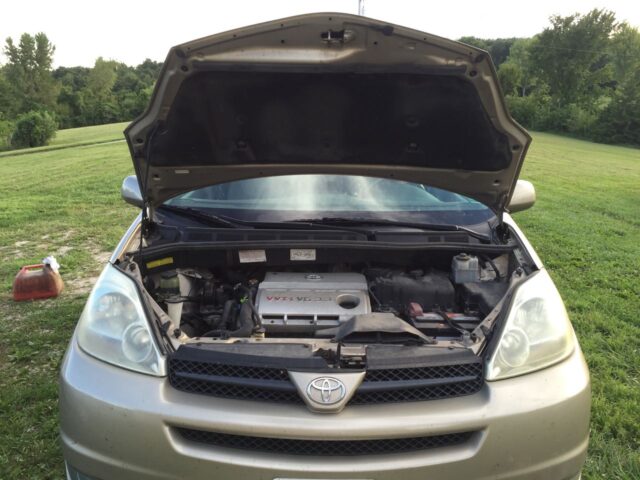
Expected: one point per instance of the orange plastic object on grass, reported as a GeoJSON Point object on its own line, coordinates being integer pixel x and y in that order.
{"type": "Point", "coordinates": [37, 281]}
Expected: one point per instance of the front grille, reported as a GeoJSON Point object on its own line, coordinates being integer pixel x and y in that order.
{"type": "Point", "coordinates": [233, 381]}
{"type": "Point", "coordinates": [379, 385]}
{"type": "Point", "coordinates": [345, 448]}
{"type": "Point", "coordinates": [418, 384]}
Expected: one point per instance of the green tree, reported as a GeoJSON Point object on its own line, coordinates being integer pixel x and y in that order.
{"type": "Point", "coordinates": [98, 99]}
{"type": "Point", "coordinates": [475, 41]}
{"type": "Point", "coordinates": [624, 50]}
{"type": "Point", "coordinates": [620, 120]}
{"type": "Point", "coordinates": [148, 72]}
{"type": "Point", "coordinates": [108, 92]}
{"type": "Point", "coordinates": [33, 129]}
{"type": "Point", "coordinates": [133, 87]}
{"type": "Point", "coordinates": [70, 104]}
{"type": "Point", "coordinates": [8, 102]}
{"type": "Point", "coordinates": [28, 71]}
{"type": "Point", "coordinates": [571, 56]}
{"type": "Point", "coordinates": [510, 76]}
{"type": "Point", "coordinates": [520, 56]}
{"type": "Point", "coordinates": [498, 48]}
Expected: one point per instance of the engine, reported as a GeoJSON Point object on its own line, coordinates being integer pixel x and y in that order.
{"type": "Point", "coordinates": [313, 303]}
{"type": "Point", "coordinates": [305, 302]}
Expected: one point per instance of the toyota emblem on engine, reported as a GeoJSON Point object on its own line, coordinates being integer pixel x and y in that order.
{"type": "Point", "coordinates": [326, 390]}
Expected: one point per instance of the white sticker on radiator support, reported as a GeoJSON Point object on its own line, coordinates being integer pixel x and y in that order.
{"type": "Point", "coordinates": [303, 254]}
{"type": "Point", "coordinates": [252, 256]}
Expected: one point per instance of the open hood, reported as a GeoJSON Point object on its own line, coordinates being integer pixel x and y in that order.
{"type": "Point", "coordinates": [328, 93]}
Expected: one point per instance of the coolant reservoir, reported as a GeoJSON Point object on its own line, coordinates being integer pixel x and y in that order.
{"type": "Point", "coordinates": [37, 281]}
{"type": "Point", "coordinates": [465, 268]}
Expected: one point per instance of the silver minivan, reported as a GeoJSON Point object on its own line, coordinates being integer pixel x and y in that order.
{"type": "Point", "coordinates": [324, 281]}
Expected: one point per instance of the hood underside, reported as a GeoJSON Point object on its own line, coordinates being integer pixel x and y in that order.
{"type": "Point", "coordinates": [328, 94]}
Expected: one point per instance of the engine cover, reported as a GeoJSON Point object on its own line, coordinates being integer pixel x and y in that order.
{"type": "Point", "coordinates": [306, 302]}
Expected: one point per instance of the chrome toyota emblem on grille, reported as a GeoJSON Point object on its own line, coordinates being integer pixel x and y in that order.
{"type": "Point", "coordinates": [326, 390]}
{"type": "Point", "coordinates": [329, 394]}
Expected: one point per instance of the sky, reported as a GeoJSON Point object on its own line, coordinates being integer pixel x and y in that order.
{"type": "Point", "coordinates": [132, 30]}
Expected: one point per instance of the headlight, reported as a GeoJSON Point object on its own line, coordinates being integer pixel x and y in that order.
{"type": "Point", "coordinates": [113, 326]}
{"type": "Point", "coordinates": [536, 333]}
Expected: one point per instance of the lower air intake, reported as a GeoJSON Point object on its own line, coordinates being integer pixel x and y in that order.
{"type": "Point", "coordinates": [323, 448]}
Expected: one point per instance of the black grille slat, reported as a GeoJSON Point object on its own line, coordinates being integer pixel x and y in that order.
{"type": "Point", "coordinates": [241, 382]}
{"type": "Point", "coordinates": [288, 446]}
{"type": "Point", "coordinates": [441, 371]}
{"type": "Point", "coordinates": [410, 384]}
{"type": "Point", "coordinates": [417, 394]}
{"type": "Point", "coordinates": [391, 385]}
{"type": "Point", "coordinates": [214, 369]}
{"type": "Point", "coordinates": [457, 381]}
{"type": "Point", "coordinates": [209, 379]}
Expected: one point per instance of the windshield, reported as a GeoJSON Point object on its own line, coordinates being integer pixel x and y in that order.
{"type": "Point", "coordinates": [294, 197]}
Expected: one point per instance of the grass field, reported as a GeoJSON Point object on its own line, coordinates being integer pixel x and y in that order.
{"type": "Point", "coordinates": [66, 202]}
{"type": "Point", "coordinates": [76, 137]}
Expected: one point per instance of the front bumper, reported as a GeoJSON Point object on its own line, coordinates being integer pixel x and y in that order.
{"type": "Point", "coordinates": [117, 424]}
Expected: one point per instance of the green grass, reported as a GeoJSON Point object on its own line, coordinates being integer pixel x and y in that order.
{"type": "Point", "coordinates": [586, 228]}
{"type": "Point", "coordinates": [66, 202]}
{"type": "Point", "coordinates": [75, 137]}
{"type": "Point", "coordinates": [98, 133]}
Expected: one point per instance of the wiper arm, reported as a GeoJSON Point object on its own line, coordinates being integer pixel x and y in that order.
{"type": "Point", "coordinates": [225, 221]}
{"type": "Point", "coordinates": [343, 221]}
{"type": "Point", "coordinates": [299, 225]}
{"type": "Point", "coordinates": [355, 225]}
{"type": "Point", "coordinates": [203, 217]}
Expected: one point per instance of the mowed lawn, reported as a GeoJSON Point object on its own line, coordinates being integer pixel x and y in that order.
{"type": "Point", "coordinates": [76, 137]}
{"type": "Point", "coordinates": [66, 202]}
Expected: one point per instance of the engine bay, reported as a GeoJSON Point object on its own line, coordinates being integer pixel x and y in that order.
{"type": "Point", "coordinates": [360, 302]}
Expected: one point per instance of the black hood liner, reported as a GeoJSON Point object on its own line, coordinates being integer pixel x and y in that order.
{"type": "Point", "coordinates": [404, 119]}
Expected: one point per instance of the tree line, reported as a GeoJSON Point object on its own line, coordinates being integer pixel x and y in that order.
{"type": "Point", "coordinates": [37, 99]}
{"type": "Point", "coordinates": [579, 76]}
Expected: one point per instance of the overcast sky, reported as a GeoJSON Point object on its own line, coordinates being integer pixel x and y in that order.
{"type": "Point", "coordinates": [133, 30]}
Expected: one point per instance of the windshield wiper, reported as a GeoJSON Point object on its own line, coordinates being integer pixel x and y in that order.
{"type": "Point", "coordinates": [229, 222]}
{"type": "Point", "coordinates": [355, 225]}
{"type": "Point", "coordinates": [202, 217]}
{"type": "Point", "coordinates": [359, 222]}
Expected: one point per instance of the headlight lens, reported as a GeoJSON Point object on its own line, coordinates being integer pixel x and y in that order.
{"type": "Point", "coordinates": [537, 332]}
{"type": "Point", "coordinates": [113, 326]}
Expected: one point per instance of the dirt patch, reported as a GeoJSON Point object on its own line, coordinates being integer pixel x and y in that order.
{"type": "Point", "coordinates": [51, 244]}
{"type": "Point", "coordinates": [102, 257]}
{"type": "Point", "coordinates": [79, 280]}
{"type": "Point", "coordinates": [17, 250]}
{"type": "Point", "coordinates": [15, 254]}
{"type": "Point", "coordinates": [83, 281]}
{"type": "Point", "coordinates": [63, 250]}
{"type": "Point", "coordinates": [80, 285]}
{"type": "Point", "coordinates": [67, 235]}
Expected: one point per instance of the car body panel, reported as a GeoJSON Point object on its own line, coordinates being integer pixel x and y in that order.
{"type": "Point", "coordinates": [118, 424]}
{"type": "Point", "coordinates": [408, 96]}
